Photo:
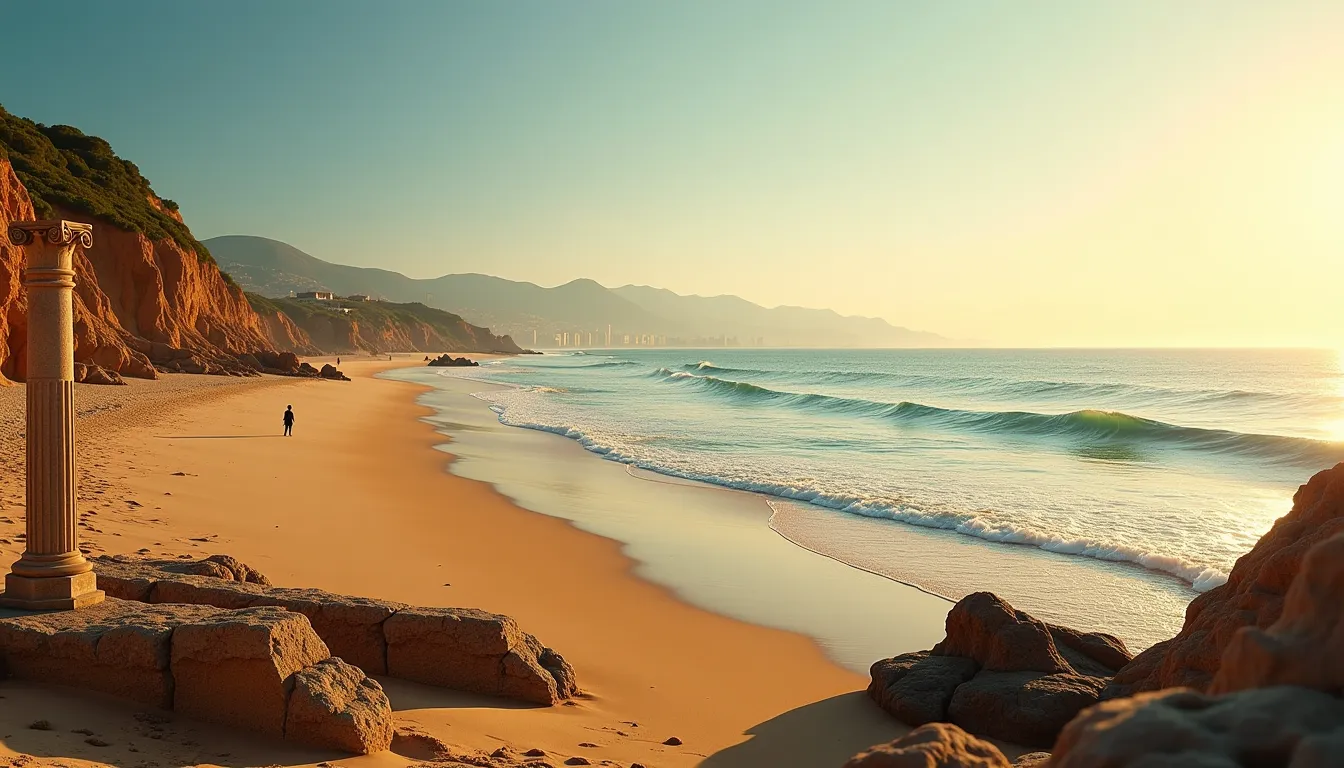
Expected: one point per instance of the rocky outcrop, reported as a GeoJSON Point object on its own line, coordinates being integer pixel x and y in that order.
{"type": "Point", "coordinates": [1280, 692]}
{"type": "Point", "coordinates": [1280, 726]}
{"type": "Point", "coordinates": [936, 745]}
{"type": "Point", "coordinates": [999, 672]}
{"type": "Point", "coordinates": [1305, 646]}
{"type": "Point", "coordinates": [448, 361]}
{"type": "Point", "coordinates": [93, 374]}
{"type": "Point", "coordinates": [457, 648]}
{"type": "Point", "coordinates": [261, 669]}
{"type": "Point", "coordinates": [330, 371]}
{"type": "Point", "coordinates": [1253, 596]}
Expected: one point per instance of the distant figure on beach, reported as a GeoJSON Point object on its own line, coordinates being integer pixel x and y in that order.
{"type": "Point", "coordinates": [338, 361]}
{"type": "Point", "coordinates": [289, 419]}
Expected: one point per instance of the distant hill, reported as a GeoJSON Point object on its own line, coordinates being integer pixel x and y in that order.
{"type": "Point", "coordinates": [272, 268]}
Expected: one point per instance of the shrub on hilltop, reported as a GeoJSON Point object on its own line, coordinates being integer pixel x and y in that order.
{"type": "Point", "coordinates": [62, 166]}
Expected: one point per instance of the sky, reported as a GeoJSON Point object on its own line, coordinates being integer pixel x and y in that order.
{"type": "Point", "coordinates": [1127, 173]}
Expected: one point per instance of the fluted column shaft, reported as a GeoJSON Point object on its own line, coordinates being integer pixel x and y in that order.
{"type": "Point", "coordinates": [53, 539]}
{"type": "Point", "coordinates": [52, 573]}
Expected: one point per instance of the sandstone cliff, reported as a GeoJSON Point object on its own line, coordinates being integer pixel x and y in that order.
{"type": "Point", "coordinates": [147, 294]}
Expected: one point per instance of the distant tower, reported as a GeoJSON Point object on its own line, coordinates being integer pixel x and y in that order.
{"type": "Point", "coordinates": [534, 337]}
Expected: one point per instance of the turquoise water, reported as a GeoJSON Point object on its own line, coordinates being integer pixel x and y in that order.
{"type": "Point", "coordinates": [1151, 468]}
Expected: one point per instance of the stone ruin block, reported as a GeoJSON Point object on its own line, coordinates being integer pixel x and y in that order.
{"type": "Point", "coordinates": [334, 704]}
{"type": "Point", "coordinates": [263, 669]}
{"type": "Point", "coordinates": [235, 667]}
{"type": "Point", "coordinates": [116, 647]}
{"type": "Point", "coordinates": [471, 650]}
{"type": "Point", "coordinates": [457, 648]}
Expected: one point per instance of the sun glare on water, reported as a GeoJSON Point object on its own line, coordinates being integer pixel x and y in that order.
{"type": "Point", "coordinates": [1334, 430]}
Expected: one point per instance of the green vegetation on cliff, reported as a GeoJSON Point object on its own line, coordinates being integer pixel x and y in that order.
{"type": "Point", "coordinates": [61, 166]}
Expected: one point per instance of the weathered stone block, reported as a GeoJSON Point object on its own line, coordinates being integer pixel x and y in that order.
{"type": "Point", "coordinates": [456, 648]}
{"type": "Point", "coordinates": [334, 704]}
{"type": "Point", "coordinates": [468, 650]}
{"type": "Point", "coordinates": [350, 626]}
{"type": "Point", "coordinates": [117, 647]}
{"type": "Point", "coordinates": [234, 667]}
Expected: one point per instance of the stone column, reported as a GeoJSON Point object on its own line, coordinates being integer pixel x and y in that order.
{"type": "Point", "coordinates": [52, 574]}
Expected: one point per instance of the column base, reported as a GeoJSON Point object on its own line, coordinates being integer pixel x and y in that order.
{"type": "Point", "coordinates": [51, 593]}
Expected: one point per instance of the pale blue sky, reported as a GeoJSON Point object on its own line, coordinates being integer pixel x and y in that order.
{"type": "Point", "coordinates": [1018, 172]}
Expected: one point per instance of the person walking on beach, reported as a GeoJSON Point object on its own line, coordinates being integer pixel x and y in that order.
{"type": "Point", "coordinates": [289, 419]}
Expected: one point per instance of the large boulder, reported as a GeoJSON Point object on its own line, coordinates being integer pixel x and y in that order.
{"type": "Point", "coordinates": [335, 705]}
{"type": "Point", "coordinates": [936, 745]}
{"type": "Point", "coordinates": [1305, 646]}
{"type": "Point", "coordinates": [999, 672]}
{"type": "Point", "coordinates": [330, 371]}
{"type": "Point", "coordinates": [917, 687]}
{"type": "Point", "coordinates": [984, 627]}
{"type": "Point", "coordinates": [1022, 707]}
{"type": "Point", "coordinates": [1270, 727]}
{"type": "Point", "coordinates": [235, 667]}
{"type": "Point", "coordinates": [1253, 596]}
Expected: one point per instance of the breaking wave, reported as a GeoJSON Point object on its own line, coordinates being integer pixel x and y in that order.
{"type": "Point", "coordinates": [1085, 426]}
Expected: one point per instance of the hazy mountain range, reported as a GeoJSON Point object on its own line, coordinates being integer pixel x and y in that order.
{"type": "Point", "coordinates": [534, 315]}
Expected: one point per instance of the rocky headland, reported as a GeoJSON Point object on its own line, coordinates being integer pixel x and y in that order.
{"type": "Point", "coordinates": [340, 326]}
{"type": "Point", "coordinates": [1255, 677]}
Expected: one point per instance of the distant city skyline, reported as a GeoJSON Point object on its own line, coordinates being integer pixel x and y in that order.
{"type": "Point", "coordinates": [1056, 174]}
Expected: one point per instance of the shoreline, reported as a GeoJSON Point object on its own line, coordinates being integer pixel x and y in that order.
{"type": "Point", "coordinates": [941, 561]}
{"type": "Point", "coordinates": [356, 504]}
{"type": "Point", "coordinates": [712, 547]}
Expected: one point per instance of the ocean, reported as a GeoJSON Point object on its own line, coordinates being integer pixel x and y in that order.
{"type": "Point", "coordinates": [1099, 488]}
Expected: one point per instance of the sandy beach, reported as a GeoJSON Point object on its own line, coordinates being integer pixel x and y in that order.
{"type": "Point", "coordinates": [358, 502]}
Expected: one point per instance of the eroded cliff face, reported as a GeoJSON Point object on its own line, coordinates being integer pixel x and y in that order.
{"type": "Point", "coordinates": [284, 335]}
{"type": "Point", "coordinates": [14, 206]}
{"type": "Point", "coordinates": [139, 303]}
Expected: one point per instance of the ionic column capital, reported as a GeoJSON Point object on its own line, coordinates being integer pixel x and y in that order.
{"type": "Point", "coordinates": [52, 231]}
